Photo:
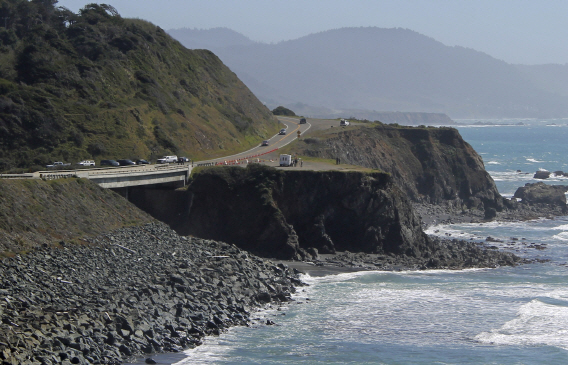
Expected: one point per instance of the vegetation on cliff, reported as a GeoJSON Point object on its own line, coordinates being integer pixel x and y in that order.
{"type": "Point", "coordinates": [283, 111]}
{"type": "Point", "coordinates": [96, 85]}
{"type": "Point", "coordinates": [36, 212]}
{"type": "Point", "coordinates": [432, 165]}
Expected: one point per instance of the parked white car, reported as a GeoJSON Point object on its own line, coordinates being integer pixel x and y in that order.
{"type": "Point", "coordinates": [86, 163]}
{"type": "Point", "coordinates": [168, 159]}
{"type": "Point", "coordinates": [58, 164]}
{"type": "Point", "coordinates": [344, 123]}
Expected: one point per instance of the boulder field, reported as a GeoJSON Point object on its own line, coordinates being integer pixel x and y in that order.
{"type": "Point", "coordinates": [132, 292]}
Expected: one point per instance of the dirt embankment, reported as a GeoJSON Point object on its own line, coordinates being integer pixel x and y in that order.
{"type": "Point", "coordinates": [36, 212]}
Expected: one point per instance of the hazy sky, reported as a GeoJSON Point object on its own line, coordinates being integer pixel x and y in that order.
{"type": "Point", "coordinates": [516, 31]}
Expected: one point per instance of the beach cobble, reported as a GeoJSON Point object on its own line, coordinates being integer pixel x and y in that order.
{"type": "Point", "coordinates": [130, 293]}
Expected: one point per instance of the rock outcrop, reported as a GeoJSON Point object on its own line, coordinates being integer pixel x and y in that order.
{"type": "Point", "coordinates": [432, 165]}
{"type": "Point", "coordinates": [541, 174]}
{"type": "Point", "coordinates": [282, 214]}
{"type": "Point", "coordinates": [541, 194]}
{"type": "Point", "coordinates": [299, 214]}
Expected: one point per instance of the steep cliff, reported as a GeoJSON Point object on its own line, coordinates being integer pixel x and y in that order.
{"type": "Point", "coordinates": [432, 165]}
{"type": "Point", "coordinates": [284, 214]}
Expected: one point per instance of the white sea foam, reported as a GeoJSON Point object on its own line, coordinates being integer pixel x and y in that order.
{"type": "Point", "coordinates": [493, 163]}
{"type": "Point", "coordinates": [537, 323]}
{"type": "Point", "coordinates": [534, 160]}
{"type": "Point", "coordinates": [563, 236]}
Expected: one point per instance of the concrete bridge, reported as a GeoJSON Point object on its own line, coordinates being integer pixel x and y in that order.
{"type": "Point", "coordinates": [120, 177]}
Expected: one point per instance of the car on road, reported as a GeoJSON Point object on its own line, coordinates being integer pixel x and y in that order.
{"type": "Point", "coordinates": [168, 159]}
{"type": "Point", "coordinates": [142, 162]}
{"type": "Point", "coordinates": [264, 143]}
{"type": "Point", "coordinates": [303, 121]}
{"type": "Point", "coordinates": [344, 123]}
{"type": "Point", "coordinates": [86, 163]}
{"type": "Point", "coordinates": [282, 131]}
{"type": "Point", "coordinates": [109, 163]}
{"type": "Point", "coordinates": [58, 164]}
{"type": "Point", "coordinates": [125, 162]}
{"type": "Point", "coordinates": [183, 159]}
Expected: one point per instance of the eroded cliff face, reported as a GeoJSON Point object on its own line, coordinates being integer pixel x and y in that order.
{"type": "Point", "coordinates": [432, 165]}
{"type": "Point", "coordinates": [286, 214]}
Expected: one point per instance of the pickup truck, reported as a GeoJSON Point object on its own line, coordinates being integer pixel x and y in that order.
{"type": "Point", "coordinates": [57, 164]}
{"type": "Point", "coordinates": [168, 159]}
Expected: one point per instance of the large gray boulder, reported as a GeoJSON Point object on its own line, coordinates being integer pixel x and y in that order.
{"type": "Point", "coordinates": [541, 193]}
{"type": "Point", "coordinates": [541, 175]}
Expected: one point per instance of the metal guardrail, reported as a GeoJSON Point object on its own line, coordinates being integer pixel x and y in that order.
{"type": "Point", "coordinates": [99, 172]}
{"type": "Point", "coordinates": [17, 176]}
{"type": "Point", "coordinates": [118, 169]}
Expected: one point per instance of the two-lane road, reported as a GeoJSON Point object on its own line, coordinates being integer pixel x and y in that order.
{"type": "Point", "coordinates": [292, 126]}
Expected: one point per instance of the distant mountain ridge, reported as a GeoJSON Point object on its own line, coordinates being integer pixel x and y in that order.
{"type": "Point", "coordinates": [386, 70]}
{"type": "Point", "coordinates": [210, 38]}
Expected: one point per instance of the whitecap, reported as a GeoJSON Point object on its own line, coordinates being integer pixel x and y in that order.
{"type": "Point", "coordinates": [493, 163]}
{"type": "Point", "coordinates": [536, 161]}
{"type": "Point", "coordinates": [561, 236]}
{"type": "Point", "coordinates": [537, 324]}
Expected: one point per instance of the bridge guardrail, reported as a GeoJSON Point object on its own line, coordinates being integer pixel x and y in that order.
{"type": "Point", "coordinates": [17, 176]}
{"type": "Point", "coordinates": [111, 170]}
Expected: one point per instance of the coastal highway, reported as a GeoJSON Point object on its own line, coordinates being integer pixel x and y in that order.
{"type": "Point", "coordinates": [292, 126]}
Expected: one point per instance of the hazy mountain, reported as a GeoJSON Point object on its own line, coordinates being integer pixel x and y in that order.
{"type": "Point", "coordinates": [209, 38]}
{"type": "Point", "coordinates": [550, 77]}
{"type": "Point", "coordinates": [387, 70]}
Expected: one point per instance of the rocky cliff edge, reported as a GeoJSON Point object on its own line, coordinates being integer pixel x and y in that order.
{"type": "Point", "coordinates": [288, 214]}
{"type": "Point", "coordinates": [432, 165]}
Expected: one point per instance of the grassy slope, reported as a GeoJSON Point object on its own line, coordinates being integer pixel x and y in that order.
{"type": "Point", "coordinates": [95, 85]}
{"type": "Point", "coordinates": [34, 212]}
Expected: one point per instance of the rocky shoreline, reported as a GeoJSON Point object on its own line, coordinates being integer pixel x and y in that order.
{"type": "Point", "coordinates": [133, 292]}
{"type": "Point", "coordinates": [451, 254]}
{"type": "Point", "coordinates": [144, 290]}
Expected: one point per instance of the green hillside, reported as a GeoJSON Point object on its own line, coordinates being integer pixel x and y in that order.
{"type": "Point", "coordinates": [96, 85]}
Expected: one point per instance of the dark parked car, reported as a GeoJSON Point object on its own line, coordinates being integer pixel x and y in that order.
{"type": "Point", "coordinates": [142, 162]}
{"type": "Point", "coordinates": [126, 162]}
{"type": "Point", "coordinates": [109, 163]}
{"type": "Point", "coordinates": [303, 121]}
{"type": "Point", "coordinates": [183, 159]}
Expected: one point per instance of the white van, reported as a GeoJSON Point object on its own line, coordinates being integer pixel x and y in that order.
{"type": "Point", "coordinates": [343, 123]}
{"type": "Point", "coordinates": [285, 160]}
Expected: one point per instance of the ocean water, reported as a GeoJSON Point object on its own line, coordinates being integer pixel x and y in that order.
{"type": "Point", "coordinates": [507, 315]}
